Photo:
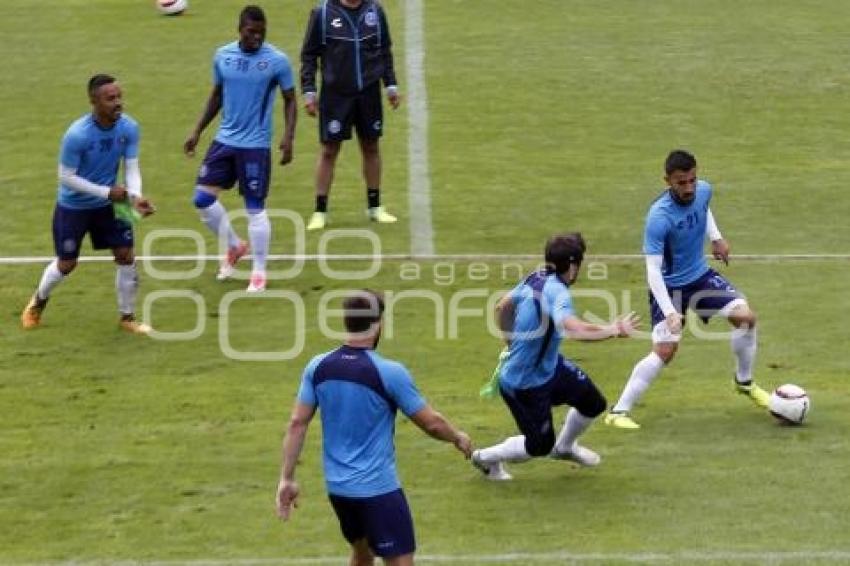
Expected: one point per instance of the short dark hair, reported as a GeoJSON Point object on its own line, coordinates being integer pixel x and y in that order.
{"type": "Point", "coordinates": [562, 250]}
{"type": "Point", "coordinates": [362, 310]}
{"type": "Point", "coordinates": [98, 81]}
{"type": "Point", "coordinates": [679, 160]}
{"type": "Point", "coordinates": [251, 13]}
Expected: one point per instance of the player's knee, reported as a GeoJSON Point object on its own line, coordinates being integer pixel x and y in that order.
{"type": "Point", "coordinates": [743, 317]}
{"type": "Point", "coordinates": [123, 256]}
{"type": "Point", "coordinates": [202, 198]}
{"type": "Point", "coordinates": [329, 151]}
{"type": "Point", "coordinates": [592, 405]}
{"type": "Point", "coordinates": [361, 554]}
{"type": "Point", "coordinates": [66, 266]}
{"type": "Point", "coordinates": [369, 147]}
{"type": "Point", "coordinates": [666, 351]}
{"type": "Point", "coordinates": [540, 444]}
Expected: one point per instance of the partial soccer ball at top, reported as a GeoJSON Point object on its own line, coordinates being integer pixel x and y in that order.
{"type": "Point", "coordinates": [789, 403]}
{"type": "Point", "coordinates": [172, 7]}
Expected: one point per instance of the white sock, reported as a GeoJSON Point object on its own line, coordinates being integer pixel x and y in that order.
{"type": "Point", "coordinates": [49, 279]}
{"type": "Point", "coordinates": [643, 374]}
{"type": "Point", "coordinates": [215, 218]}
{"type": "Point", "coordinates": [574, 424]}
{"type": "Point", "coordinates": [260, 233]}
{"type": "Point", "coordinates": [127, 285]}
{"type": "Point", "coordinates": [510, 450]}
{"type": "Point", "coordinates": [744, 348]}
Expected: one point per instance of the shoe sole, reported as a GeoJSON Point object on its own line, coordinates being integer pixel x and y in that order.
{"type": "Point", "coordinates": [613, 423]}
{"type": "Point", "coordinates": [565, 458]}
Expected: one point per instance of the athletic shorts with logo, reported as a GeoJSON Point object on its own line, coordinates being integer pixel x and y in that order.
{"type": "Point", "coordinates": [338, 112]}
{"type": "Point", "coordinates": [70, 225]}
{"type": "Point", "coordinates": [706, 296]}
{"type": "Point", "coordinates": [224, 165]}
{"type": "Point", "coordinates": [383, 520]}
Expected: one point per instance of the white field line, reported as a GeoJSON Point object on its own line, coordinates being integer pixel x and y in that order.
{"type": "Point", "coordinates": [471, 257]}
{"type": "Point", "coordinates": [683, 557]}
{"type": "Point", "coordinates": [419, 177]}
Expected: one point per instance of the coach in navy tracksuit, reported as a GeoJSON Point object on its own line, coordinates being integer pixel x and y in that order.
{"type": "Point", "coordinates": [351, 41]}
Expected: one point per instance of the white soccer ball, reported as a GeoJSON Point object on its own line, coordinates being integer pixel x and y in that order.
{"type": "Point", "coordinates": [172, 7]}
{"type": "Point", "coordinates": [789, 403]}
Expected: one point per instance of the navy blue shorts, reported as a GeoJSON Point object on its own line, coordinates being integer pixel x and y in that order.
{"type": "Point", "coordinates": [338, 112]}
{"type": "Point", "coordinates": [532, 408]}
{"type": "Point", "coordinates": [384, 521]}
{"type": "Point", "coordinates": [70, 226]}
{"type": "Point", "coordinates": [224, 165]}
{"type": "Point", "coordinates": [705, 296]}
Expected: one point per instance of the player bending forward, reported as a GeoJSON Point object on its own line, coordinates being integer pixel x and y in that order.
{"type": "Point", "coordinates": [534, 317]}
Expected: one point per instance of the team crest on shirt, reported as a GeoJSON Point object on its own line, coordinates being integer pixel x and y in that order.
{"type": "Point", "coordinates": [371, 19]}
{"type": "Point", "coordinates": [122, 140]}
{"type": "Point", "coordinates": [262, 65]}
{"type": "Point", "coordinates": [334, 126]}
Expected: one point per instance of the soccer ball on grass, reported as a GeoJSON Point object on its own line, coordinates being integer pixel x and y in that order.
{"type": "Point", "coordinates": [789, 403]}
{"type": "Point", "coordinates": [172, 7]}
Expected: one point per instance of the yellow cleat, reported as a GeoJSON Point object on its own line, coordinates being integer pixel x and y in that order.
{"type": "Point", "coordinates": [756, 394]}
{"type": "Point", "coordinates": [380, 214]}
{"type": "Point", "coordinates": [133, 326]}
{"type": "Point", "coordinates": [317, 221]}
{"type": "Point", "coordinates": [621, 420]}
{"type": "Point", "coordinates": [31, 317]}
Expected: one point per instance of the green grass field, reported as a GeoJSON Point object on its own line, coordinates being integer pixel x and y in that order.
{"type": "Point", "coordinates": [543, 116]}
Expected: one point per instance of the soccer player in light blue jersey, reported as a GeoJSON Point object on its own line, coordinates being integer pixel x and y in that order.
{"type": "Point", "coordinates": [535, 317]}
{"type": "Point", "coordinates": [680, 279]}
{"type": "Point", "coordinates": [246, 74]}
{"type": "Point", "coordinates": [358, 393]}
{"type": "Point", "coordinates": [93, 149]}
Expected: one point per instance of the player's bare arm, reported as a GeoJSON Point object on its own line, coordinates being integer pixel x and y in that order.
{"type": "Point", "coordinates": [293, 443]}
{"type": "Point", "coordinates": [436, 426]}
{"type": "Point", "coordinates": [505, 311]}
{"type": "Point", "coordinates": [118, 193]}
{"type": "Point", "coordinates": [621, 327]}
{"type": "Point", "coordinates": [290, 118]}
{"type": "Point", "coordinates": [210, 112]}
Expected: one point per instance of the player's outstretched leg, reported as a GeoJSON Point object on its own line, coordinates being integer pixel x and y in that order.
{"type": "Point", "coordinates": [665, 345]}
{"type": "Point", "coordinates": [52, 276]}
{"type": "Point", "coordinates": [743, 342]}
{"type": "Point", "coordinates": [567, 447]}
{"type": "Point", "coordinates": [589, 405]}
{"type": "Point", "coordinates": [214, 216]}
{"type": "Point", "coordinates": [490, 461]}
{"type": "Point", "coordinates": [643, 374]}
